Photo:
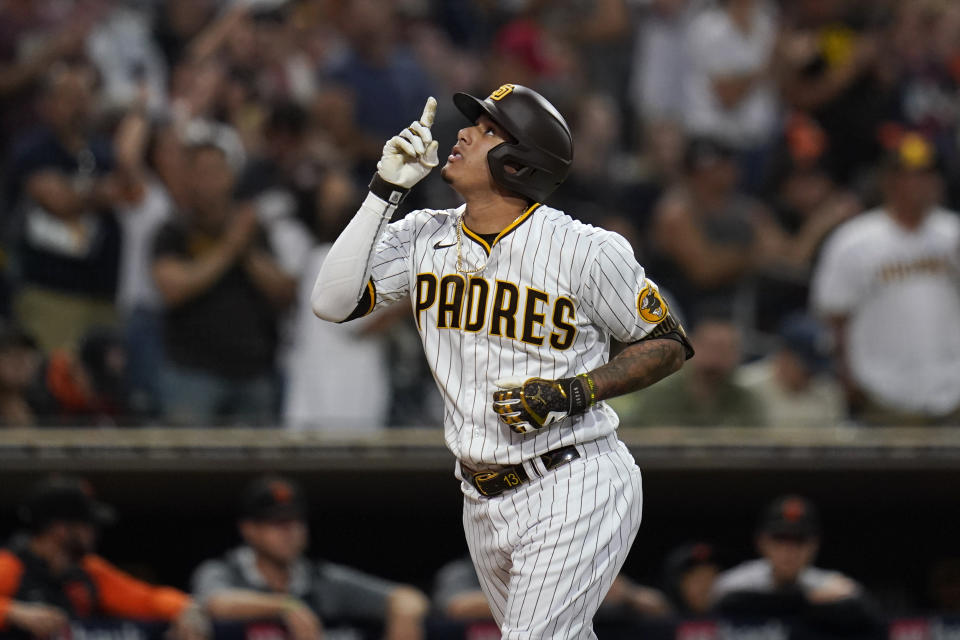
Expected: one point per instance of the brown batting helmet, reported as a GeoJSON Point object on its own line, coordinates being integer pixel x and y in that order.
{"type": "Point", "coordinates": [542, 147]}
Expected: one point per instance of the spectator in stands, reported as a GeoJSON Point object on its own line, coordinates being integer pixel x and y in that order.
{"type": "Point", "coordinates": [562, 44]}
{"type": "Point", "coordinates": [60, 178]}
{"type": "Point", "coordinates": [784, 582]}
{"type": "Point", "coordinates": [282, 184]}
{"type": "Point", "coordinates": [377, 70]}
{"type": "Point", "coordinates": [86, 387]}
{"type": "Point", "coordinates": [19, 363]}
{"type": "Point", "coordinates": [689, 574]}
{"type": "Point", "coordinates": [51, 574]}
{"type": "Point", "coordinates": [660, 62]}
{"type": "Point", "coordinates": [808, 204]}
{"type": "Point", "coordinates": [325, 351]}
{"type": "Point", "coordinates": [127, 59]}
{"type": "Point", "coordinates": [283, 176]}
{"type": "Point", "coordinates": [795, 384]}
{"type": "Point", "coordinates": [730, 90]}
{"type": "Point", "coordinates": [707, 236]}
{"type": "Point", "coordinates": [177, 23]}
{"type": "Point", "coordinates": [598, 179]}
{"type": "Point", "coordinates": [149, 159]}
{"type": "Point", "coordinates": [268, 577]}
{"type": "Point", "coordinates": [925, 39]}
{"type": "Point", "coordinates": [34, 36]}
{"type": "Point", "coordinates": [704, 393]}
{"type": "Point", "coordinates": [254, 46]}
{"type": "Point", "coordinates": [658, 78]}
{"type": "Point", "coordinates": [831, 69]}
{"type": "Point", "coordinates": [901, 255]}
{"type": "Point", "coordinates": [63, 388]}
{"type": "Point", "coordinates": [457, 595]}
{"type": "Point", "coordinates": [223, 290]}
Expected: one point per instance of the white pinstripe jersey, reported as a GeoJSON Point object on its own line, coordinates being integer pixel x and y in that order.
{"type": "Point", "coordinates": [553, 292]}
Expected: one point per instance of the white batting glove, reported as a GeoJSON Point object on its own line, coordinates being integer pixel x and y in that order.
{"type": "Point", "coordinates": [410, 156]}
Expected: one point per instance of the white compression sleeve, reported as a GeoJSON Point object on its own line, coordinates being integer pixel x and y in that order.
{"type": "Point", "coordinates": [346, 269]}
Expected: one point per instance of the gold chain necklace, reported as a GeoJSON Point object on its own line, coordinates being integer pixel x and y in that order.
{"type": "Point", "coordinates": [460, 264]}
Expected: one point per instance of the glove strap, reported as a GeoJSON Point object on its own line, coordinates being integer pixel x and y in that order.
{"type": "Point", "coordinates": [578, 392]}
{"type": "Point", "coordinates": [591, 386]}
{"type": "Point", "coordinates": [387, 191]}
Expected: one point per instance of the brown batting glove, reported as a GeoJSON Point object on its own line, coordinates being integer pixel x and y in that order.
{"type": "Point", "coordinates": [536, 403]}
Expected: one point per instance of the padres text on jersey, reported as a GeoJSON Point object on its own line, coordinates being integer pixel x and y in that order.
{"type": "Point", "coordinates": [550, 296]}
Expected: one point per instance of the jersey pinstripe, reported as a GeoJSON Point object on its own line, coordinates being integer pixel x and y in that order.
{"type": "Point", "coordinates": [550, 297]}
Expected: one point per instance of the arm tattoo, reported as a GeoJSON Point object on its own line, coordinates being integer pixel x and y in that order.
{"type": "Point", "coordinates": [638, 366]}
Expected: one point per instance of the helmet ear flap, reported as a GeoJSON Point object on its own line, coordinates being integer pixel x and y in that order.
{"type": "Point", "coordinates": [509, 170]}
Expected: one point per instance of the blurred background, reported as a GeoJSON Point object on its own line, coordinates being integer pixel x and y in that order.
{"type": "Point", "coordinates": [788, 172]}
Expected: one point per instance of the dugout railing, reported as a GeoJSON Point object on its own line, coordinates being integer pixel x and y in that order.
{"type": "Point", "coordinates": [387, 502]}
{"type": "Point", "coordinates": [914, 628]}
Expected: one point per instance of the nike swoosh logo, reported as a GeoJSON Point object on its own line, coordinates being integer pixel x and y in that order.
{"type": "Point", "coordinates": [443, 246]}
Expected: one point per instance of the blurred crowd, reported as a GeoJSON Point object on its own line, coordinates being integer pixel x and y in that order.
{"type": "Point", "coordinates": [52, 573]}
{"type": "Point", "coordinates": [174, 171]}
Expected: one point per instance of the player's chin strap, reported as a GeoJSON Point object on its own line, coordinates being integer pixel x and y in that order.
{"type": "Point", "coordinates": [346, 269]}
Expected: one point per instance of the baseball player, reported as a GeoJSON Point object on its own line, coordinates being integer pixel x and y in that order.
{"type": "Point", "coordinates": [516, 304]}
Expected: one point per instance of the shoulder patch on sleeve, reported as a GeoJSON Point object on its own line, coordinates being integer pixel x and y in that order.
{"type": "Point", "coordinates": [650, 305]}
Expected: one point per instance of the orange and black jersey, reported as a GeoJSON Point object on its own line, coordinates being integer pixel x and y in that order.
{"type": "Point", "coordinates": [93, 589]}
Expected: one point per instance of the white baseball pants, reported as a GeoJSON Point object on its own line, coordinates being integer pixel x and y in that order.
{"type": "Point", "coordinates": [547, 552]}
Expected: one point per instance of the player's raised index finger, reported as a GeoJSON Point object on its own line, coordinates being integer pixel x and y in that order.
{"type": "Point", "coordinates": [429, 111]}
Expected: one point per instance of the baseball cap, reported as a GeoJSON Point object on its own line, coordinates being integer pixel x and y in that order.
{"type": "Point", "coordinates": [809, 339]}
{"type": "Point", "coordinates": [63, 499]}
{"type": "Point", "coordinates": [790, 515]}
{"type": "Point", "coordinates": [913, 152]}
{"type": "Point", "coordinates": [207, 133]}
{"type": "Point", "coordinates": [689, 556]}
{"type": "Point", "coordinates": [272, 498]}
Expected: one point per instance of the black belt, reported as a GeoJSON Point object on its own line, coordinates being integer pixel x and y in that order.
{"type": "Point", "coordinates": [493, 483]}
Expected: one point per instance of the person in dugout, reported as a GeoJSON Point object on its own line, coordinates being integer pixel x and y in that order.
{"type": "Point", "coordinates": [50, 575]}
